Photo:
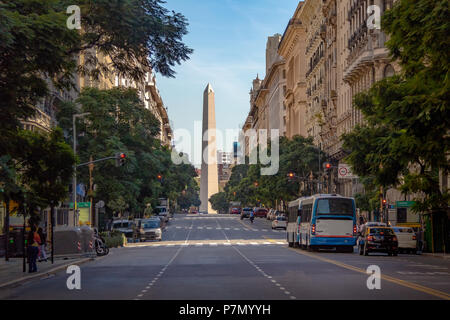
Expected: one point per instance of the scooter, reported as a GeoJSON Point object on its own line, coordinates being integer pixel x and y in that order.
{"type": "Point", "coordinates": [100, 244]}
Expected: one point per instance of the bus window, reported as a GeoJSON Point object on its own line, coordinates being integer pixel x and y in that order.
{"type": "Point", "coordinates": [292, 217]}
{"type": "Point", "coordinates": [306, 214]}
{"type": "Point", "coordinates": [339, 207]}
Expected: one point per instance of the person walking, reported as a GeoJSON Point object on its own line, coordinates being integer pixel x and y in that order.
{"type": "Point", "coordinates": [43, 244]}
{"type": "Point", "coordinates": [33, 249]}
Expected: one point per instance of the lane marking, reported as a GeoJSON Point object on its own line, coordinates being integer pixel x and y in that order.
{"type": "Point", "coordinates": [404, 283]}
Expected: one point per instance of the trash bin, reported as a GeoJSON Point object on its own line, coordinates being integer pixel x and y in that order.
{"type": "Point", "coordinates": [15, 243]}
{"type": "Point", "coordinates": [67, 240]}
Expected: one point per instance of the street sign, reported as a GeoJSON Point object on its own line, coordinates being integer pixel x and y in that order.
{"type": "Point", "coordinates": [405, 204]}
{"type": "Point", "coordinates": [100, 204]}
{"type": "Point", "coordinates": [345, 172]}
{"type": "Point", "coordinates": [80, 205]}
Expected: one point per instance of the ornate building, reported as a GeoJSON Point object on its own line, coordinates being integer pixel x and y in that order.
{"type": "Point", "coordinates": [292, 48]}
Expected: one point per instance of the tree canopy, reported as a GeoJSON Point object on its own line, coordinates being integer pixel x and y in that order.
{"type": "Point", "coordinates": [119, 123]}
{"type": "Point", "coordinates": [405, 142]}
{"type": "Point", "coordinates": [297, 155]}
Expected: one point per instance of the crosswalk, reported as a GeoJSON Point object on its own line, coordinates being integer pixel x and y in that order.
{"type": "Point", "coordinates": [240, 243]}
{"type": "Point", "coordinates": [226, 229]}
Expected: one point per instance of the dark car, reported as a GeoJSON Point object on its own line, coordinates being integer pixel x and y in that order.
{"type": "Point", "coordinates": [261, 212]}
{"type": "Point", "coordinates": [245, 213]}
{"type": "Point", "coordinates": [378, 239]}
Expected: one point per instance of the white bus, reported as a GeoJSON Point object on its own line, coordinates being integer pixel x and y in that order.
{"type": "Point", "coordinates": [323, 221]}
{"type": "Point", "coordinates": [293, 222]}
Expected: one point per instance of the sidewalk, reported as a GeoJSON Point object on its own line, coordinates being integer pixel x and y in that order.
{"type": "Point", "coordinates": [11, 272]}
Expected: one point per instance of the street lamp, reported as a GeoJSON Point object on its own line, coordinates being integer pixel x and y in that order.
{"type": "Point", "coordinates": [74, 118]}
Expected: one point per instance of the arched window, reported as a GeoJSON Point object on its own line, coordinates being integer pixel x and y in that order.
{"type": "Point", "coordinates": [389, 71]}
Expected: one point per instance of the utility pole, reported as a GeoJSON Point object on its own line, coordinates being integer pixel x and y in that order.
{"type": "Point", "coordinates": [91, 190]}
{"type": "Point", "coordinates": [74, 119]}
{"type": "Point", "coordinates": [320, 171]}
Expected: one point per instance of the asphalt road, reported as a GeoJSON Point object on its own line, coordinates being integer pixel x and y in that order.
{"type": "Point", "coordinates": [223, 258]}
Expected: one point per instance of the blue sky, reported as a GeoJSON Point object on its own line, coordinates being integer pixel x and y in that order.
{"type": "Point", "coordinates": [229, 41]}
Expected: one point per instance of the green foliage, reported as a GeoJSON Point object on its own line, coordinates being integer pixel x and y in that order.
{"type": "Point", "coordinates": [113, 239]}
{"type": "Point", "coordinates": [297, 155]}
{"type": "Point", "coordinates": [119, 122]}
{"type": "Point", "coordinates": [219, 202]}
{"type": "Point", "coordinates": [35, 41]}
{"type": "Point", "coordinates": [405, 139]}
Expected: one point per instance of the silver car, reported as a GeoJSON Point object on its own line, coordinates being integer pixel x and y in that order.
{"type": "Point", "coordinates": [150, 229]}
{"type": "Point", "coordinates": [279, 222]}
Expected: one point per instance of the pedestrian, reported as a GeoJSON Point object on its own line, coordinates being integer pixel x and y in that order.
{"type": "Point", "coordinates": [33, 249]}
{"type": "Point", "coordinates": [43, 244]}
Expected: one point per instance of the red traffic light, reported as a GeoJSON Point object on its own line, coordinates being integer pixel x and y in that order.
{"type": "Point", "coordinates": [384, 201]}
{"type": "Point", "coordinates": [328, 165]}
{"type": "Point", "coordinates": [291, 175]}
{"type": "Point", "coordinates": [123, 155]}
{"type": "Point", "coordinates": [159, 177]}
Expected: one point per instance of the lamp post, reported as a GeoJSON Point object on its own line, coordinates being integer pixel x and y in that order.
{"type": "Point", "coordinates": [75, 116]}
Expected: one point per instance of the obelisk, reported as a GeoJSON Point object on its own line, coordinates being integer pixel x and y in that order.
{"type": "Point", "coordinates": [209, 183]}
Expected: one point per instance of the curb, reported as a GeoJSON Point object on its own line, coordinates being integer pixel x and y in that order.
{"type": "Point", "coordinates": [49, 272]}
{"type": "Point", "coordinates": [436, 255]}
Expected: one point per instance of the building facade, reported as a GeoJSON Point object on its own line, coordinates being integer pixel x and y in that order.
{"type": "Point", "coordinates": [292, 48]}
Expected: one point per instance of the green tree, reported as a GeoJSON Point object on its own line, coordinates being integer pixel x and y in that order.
{"type": "Point", "coordinates": [35, 41]}
{"type": "Point", "coordinates": [119, 122]}
{"type": "Point", "coordinates": [297, 155]}
{"type": "Point", "coordinates": [219, 202]}
{"type": "Point", "coordinates": [405, 139]}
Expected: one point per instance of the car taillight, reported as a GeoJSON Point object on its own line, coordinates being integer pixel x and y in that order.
{"type": "Point", "coordinates": [394, 239]}
{"type": "Point", "coordinates": [370, 238]}
{"type": "Point", "coordinates": [414, 238]}
{"type": "Point", "coordinates": [313, 229]}
{"type": "Point", "coordinates": [355, 230]}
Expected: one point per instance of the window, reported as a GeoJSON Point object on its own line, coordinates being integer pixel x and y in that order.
{"type": "Point", "coordinates": [307, 213]}
{"type": "Point", "coordinates": [389, 71]}
{"type": "Point", "coordinates": [402, 215]}
{"type": "Point", "coordinates": [335, 207]}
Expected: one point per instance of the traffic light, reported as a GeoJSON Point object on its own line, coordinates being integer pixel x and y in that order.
{"type": "Point", "coordinates": [256, 184]}
{"type": "Point", "coordinates": [384, 201]}
{"type": "Point", "coordinates": [159, 177]}
{"type": "Point", "coordinates": [120, 159]}
{"type": "Point", "coordinates": [327, 166]}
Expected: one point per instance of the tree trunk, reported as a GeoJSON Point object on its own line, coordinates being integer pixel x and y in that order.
{"type": "Point", "coordinates": [7, 230]}
{"type": "Point", "coordinates": [52, 223]}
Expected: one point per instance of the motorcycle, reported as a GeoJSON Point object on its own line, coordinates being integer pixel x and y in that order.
{"type": "Point", "coordinates": [100, 246]}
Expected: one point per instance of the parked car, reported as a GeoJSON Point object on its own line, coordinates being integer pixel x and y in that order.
{"type": "Point", "coordinates": [235, 210]}
{"type": "Point", "coordinates": [271, 214]}
{"type": "Point", "coordinates": [378, 239]}
{"type": "Point", "coordinates": [280, 222]}
{"type": "Point", "coordinates": [245, 213]}
{"type": "Point", "coordinates": [124, 226]}
{"type": "Point", "coordinates": [149, 229]}
{"type": "Point", "coordinates": [260, 212]}
{"type": "Point", "coordinates": [280, 213]}
{"type": "Point", "coordinates": [407, 240]}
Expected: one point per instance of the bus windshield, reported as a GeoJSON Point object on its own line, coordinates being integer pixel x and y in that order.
{"type": "Point", "coordinates": [335, 207]}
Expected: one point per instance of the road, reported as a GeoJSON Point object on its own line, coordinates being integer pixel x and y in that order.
{"type": "Point", "coordinates": [223, 258]}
